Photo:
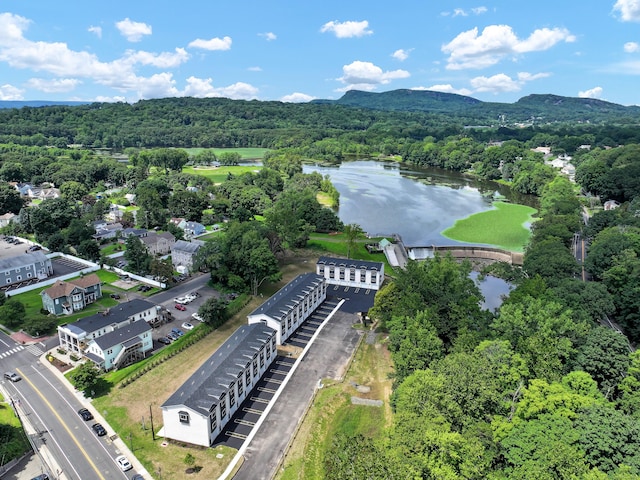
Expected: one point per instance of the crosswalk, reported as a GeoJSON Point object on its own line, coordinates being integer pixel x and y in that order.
{"type": "Point", "coordinates": [33, 349]}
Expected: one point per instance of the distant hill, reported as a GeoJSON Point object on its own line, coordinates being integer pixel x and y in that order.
{"type": "Point", "coordinates": [37, 103]}
{"type": "Point", "coordinates": [532, 108]}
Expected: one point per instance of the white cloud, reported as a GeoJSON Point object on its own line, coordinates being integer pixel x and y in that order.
{"type": "Point", "coordinates": [212, 44]}
{"type": "Point", "coordinates": [631, 47]}
{"type": "Point", "coordinates": [269, 36]}
{"type": "Point", "coordinates": [297, 98]}
{"type": "Point", "coordinates": [461, 12]}
{"type": "Point", "coordinates": [366, 75]}
{"type": "Point", "coordinates": [347, 29]}
{"type": "Point", "coordinates": [9, 92]}
{"type": "Point", "coordinates": [96, 30]}
{"type": "Point", "coordinates": [629, 10]}
{"type": "Point", "coordinates": [133, 31]}
{"type": "Point", "coordinates": [595, 92]}
{"type": "Point", "coordinates": [11, 28]}
{"type": "Point", "coordinates": [159, 60]}
{"type": "Point", "coordinates": [53, 85]}
{"type": "Point", "coordinates": [254, 69]}
{"type": "Point", "coordinates": [503, 83]}
{"type": "Point", "coordinates": [470, 50]}
{"type": "Point", "coordinates": [203, 87]}
{"type": "Point", "coordinates": [445, 88]}
{"type": "Point", "coordinates": [479, 10]}
{"type": "Point", "coordinates": [401, 54]}
{"type": "Point", "coordinates": [114, 99]}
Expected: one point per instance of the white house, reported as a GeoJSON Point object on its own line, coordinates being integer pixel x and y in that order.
{"type": "Point", "coordinates": [121, 347]}
{"type": "Point", "coordinates": [75, 337]}
{"type": "Point", "coordinates": [198, 411]}
{"type": "Point", "coordinates": [291, 305]}
{"type": "Point", "coordinates": [351, 273]}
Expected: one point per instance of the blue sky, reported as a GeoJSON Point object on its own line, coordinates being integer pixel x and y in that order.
{"type": "Point", "coordinates": [297, 51]}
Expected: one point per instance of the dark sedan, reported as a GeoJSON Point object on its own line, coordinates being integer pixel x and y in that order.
{"type": "Point", "coordinates": [99, 429]}
{"type": "Point", "coordinates": [85, 414]}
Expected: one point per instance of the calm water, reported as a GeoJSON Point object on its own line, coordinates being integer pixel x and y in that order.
{"type": "Point", "coordinates": [385, 198]}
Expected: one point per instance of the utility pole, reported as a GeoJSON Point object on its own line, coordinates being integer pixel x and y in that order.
{"type": "Point", "coordinates": [153, 433]}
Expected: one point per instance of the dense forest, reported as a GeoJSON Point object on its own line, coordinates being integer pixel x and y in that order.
{"type": "Point", "coordinates": [538, 389]}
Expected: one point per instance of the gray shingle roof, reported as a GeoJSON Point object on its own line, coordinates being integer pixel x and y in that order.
{"type": "Point", "coordinates": [22, 260]}
{"type": "Point", "coordinates": [123, 334]}
{"type": "Point", "coordinates": [350, 263]}
{"type": "Point", "coordinates": [184, 246]}
{"type": "Point", "coordinates": [288, 296]}
{"type": "Point", "coordinates": [116, 314]}
{"type": "Point", "coordinates": [202, 390]}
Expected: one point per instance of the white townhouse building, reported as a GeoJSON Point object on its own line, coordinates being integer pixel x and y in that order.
{"type": "Point", "coordinates": [291, 305]}
{"type": "Point", "coordinates": [25, 267]}
{"type": "Point", "coordinates": [76, 336]}
{"type": "Point", "coordinates": [121, 347]}
{"type": "Point", "coordinates": [198, 411]}
{"type": "Point", "coordinates": [351, 273]}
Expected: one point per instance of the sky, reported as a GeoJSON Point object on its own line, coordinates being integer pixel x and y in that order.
{"type": "Point", "coordinates": [296, 51]}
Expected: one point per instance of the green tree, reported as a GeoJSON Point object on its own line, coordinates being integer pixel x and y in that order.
{"type": "Point", "coordinates": [136, 255]}
{"type": "Point", "coordinates": [12, 313]}
{"type": "Point", "coordinates": [10, 200]}
{"type": "Point", "coordinates": [351, 232]}
{"type": "Point", "coordinates": [73, 190]}
{"type": "Point", "coordinates": [85, 377]}
{"type": "Point", "coordinates": [89, 250]}
{"type": "Point", "coordinates": [214, 311]}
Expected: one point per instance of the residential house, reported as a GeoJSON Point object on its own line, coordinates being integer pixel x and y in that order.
{"type": "Point", "coordinates": [133, 232]}
{"type": "Point", "coordinates": [7, 218]}
{"type": "Point", "coordinates": [192, 229]}
{"type": "Point", "coordinates": [611, 205]}
{"type": "Point", "coordinates": [290, 306]}
{"type": "Point", "coordinates": [64, 298]}
{"type": "Point", "coordinates": [23, 188]}
{"type": "Point", "coordinates": [198, 411]}
{"type": "Point", "coordinates": [177, 221]}
{"type": "Point", "coordinates": [115, 213]}
{"type": "Point", "coordinates": [75, 337]}
{"type": "Point", "coordinates": [158, 243]}
{"type": "Point", "coordinates": [183, 253]}
{"type": "Point", "coordinates": [108, 231]}
{"type": "Point", "coordinates": [351, 273]}
{"type": "Point", "coordinates": [99, 225]}
{"type": "Point", "coordinates": [43, 193]}
{"type": "Point", "coordinates": [131, 198]}
{"type": "Point", "coordinates": [121, 347]}
{"type": "Point", "coordinates": [25, 267]}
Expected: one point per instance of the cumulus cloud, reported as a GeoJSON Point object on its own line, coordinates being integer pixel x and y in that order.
{"type": "Point", "coordinates": [53, 85]}
{"type": "Point", "coordinates": [401, 54]}
{"type": "Point", "coordinates": [159, 60]}
{"type": "Point", "coordinates": [133, 31]}
{"type": "Point", "coordinates": [501, 82]}
{"type": "Point", "coordinates": [297, 98]}
{"type": "Point", "coordinates": [629, 10]}
{"type": "Point", "coordinates": [95, 30]}
{"type": "Point", "coordinates": [631, 47]}
{"type": "Point", "coordinates": [461, 12]}
{"type": "Point", "coordinates": [367, 76]}
{"type": "Point", "coordinates": [595, 92]}
{"type": "Point", "coordinates": [203, 87]}
{"type": "Point", "coordinates": [269, 36]}
{"type": "Point", "coordinates": [254, 69]}
{"type": "Point", "coordinates": [472, 50]}
{"type": "Point", "coordinates": [445, 88]}
{"type": "Point", "coordinates": [212, 44]}
{"type": "Point", "coordinates": [9, 92]}
{"type": "Point", "coordinates": [347, 29]}
{"type": "Point", "coordinates": [114, 99]}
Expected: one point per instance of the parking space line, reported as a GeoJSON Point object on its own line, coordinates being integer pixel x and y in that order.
{"type": "Point", "coordinates": [267, 390]}
{"type": "Point", "coordinates": [252, 410]}
{"type": "Point", "coordinates": [235, 435]}
{"type": "Point", "coordinates": [240, 421]}
{"type": "Point", "coordinates": [259, 400]}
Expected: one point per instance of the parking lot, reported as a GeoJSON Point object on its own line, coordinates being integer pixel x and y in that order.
{"type": "Point", "coordinates": [177, 318]}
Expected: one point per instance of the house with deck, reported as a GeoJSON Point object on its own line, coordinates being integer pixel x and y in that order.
{"type": "Point", "coordinates": [64, 298]}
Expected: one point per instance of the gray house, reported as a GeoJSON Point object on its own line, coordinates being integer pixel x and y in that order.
{"type": "Point", "coordinates": [182, 254]}
{"type": "Point", "coordinates": [25, 267]}
{"type": "Point", "coordinates": [64, 298]}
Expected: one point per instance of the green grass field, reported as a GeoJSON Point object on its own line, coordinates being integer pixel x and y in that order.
{"type": "Point", "coordinates": [505, 227]}
{"type": "Point", "coordinates": [219, 174]}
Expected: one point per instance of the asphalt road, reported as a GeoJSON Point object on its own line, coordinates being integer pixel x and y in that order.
{"type": "Point", "coordinates": [65, 442]}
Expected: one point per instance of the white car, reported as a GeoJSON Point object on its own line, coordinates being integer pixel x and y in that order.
{"type": "Point", "coordinates": [123, 463]}
{"type": "Point", "coordinates": [197, 316]}
{"type": "Point", "coordinates": [187, 326]}
{"type": "Point", "coordinates": [190, 296]}
{"type": "Point", "coordinates": [182, 300]}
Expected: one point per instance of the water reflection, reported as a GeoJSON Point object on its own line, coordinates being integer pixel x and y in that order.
{"type": "Point", "coordinates": [493, 290]}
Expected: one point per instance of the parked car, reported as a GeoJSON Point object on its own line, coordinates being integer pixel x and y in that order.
{"type": "Point", "coordinates": [123, 463]}
{"type": "Point", "coordinates": [197, 316]}
{"type": "Point", "coordinates": [181, 300]}
{"type": "Point", "coordinates": [42, 476]}
{"type": "Point", "coordinates": [99, 429]}
{"type": "Point", "coordinates": [172, 336]}
{"type": "Point", "coordinates": [187, 326]}
{"type": "Point", "coordinates": [190, 297]}
{"type": "Point", "coordinates": [177, 331]}
{"type": "Point", "coordinates": [145, 288]}
{"type": "Point", "coordinates": [12, 376]}
{"type": "Point", "coordinates": [180, 307]}
{"type": "Point", "coordinates": [35, 248]}
{"type": "Point", "coordinates": [85, 414]}
{"type": "Point", "coordinates": [137, 476]}
{"type": "Point", "coordinates": [164, 340]}
{"type": "Point", "coordinates": [115, 296]}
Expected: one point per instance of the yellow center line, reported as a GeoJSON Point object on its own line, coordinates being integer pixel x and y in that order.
{"type": "Point", "coordinates": [75, 440]}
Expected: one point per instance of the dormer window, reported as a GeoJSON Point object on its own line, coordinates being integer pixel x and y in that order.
{"type": "Point", "coordinates": [183, 416]}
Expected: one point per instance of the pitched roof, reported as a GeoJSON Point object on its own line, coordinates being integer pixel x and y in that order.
{"type": "Point", "coordinates": [122, 334]}
{"type": "Point", "coordinates": [184, 246]}
{"type": "Point", "coordinates": [350, 263]}
{"type": "Point", "coordinates": [22, 260]}
{"type": "Point", "coordinates": [202, 390]}
{"type": "Point", "coordinates": [117, 314]}
{"type": "Point", "coordinates": [59, 289]}
{"type": "Point", "coordinates": [281, 303]}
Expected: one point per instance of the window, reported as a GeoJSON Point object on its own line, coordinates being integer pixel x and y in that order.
{"type": "Point", "coordinates": [214, 420]}
{"type": "Point", "coordinates": [223, 406]}
{"type": "Point", "coordinates": [183, 416]}
{"type": "Point", "coordinates": [240, 387]}
{"type": "Point", "coordinates": [247, 377]}
{"type": "Point", "coordinates": [261, 358]}
{"type": "Point", "coordinates": [19, 277]}
{"type": "Point", "coordinates": [28, 274]}
{"type": "Point", "coordinates": [232, 395]}
{"type": "Point", "coordinates": [273, 342]}
{"type": "Point", "coordinates": [255, 368]}
{"type": "Point", "coordinates": [268, 350]}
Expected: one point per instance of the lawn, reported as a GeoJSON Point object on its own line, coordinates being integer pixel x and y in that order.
{"type": "Point", "coordinates": [245, 153]}
{"type": "Point", "coordinates": [219, 174]}
{"type": "Point", "coordinates": [332, 412]}
{"type": "Point", "coordinates": [15, 442]}
{"type": "Point", "coordinates": [506, 226]}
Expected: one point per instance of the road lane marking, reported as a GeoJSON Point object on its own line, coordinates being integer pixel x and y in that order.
{"type": "Point", "coordinates": [73, 437]}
